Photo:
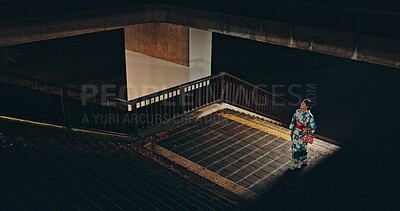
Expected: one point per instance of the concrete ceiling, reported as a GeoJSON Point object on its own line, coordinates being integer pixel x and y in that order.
{"type": "Point", "coordinates": [366, 31]}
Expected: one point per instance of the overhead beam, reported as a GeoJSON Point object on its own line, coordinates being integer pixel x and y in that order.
{"type": "Point", "coordinates": [360, 47]}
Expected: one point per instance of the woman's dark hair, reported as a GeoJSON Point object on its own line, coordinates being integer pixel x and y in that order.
{"type": "Point", "coordinates": [308, 103]}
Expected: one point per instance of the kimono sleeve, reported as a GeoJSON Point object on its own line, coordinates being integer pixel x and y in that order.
{"type": "Point", "coordinates": [292, 122]}
{"type": "Point", "coordinates": [312, 124]}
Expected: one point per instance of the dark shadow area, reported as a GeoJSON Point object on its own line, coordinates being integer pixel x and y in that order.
{"type": "Point", "coordinates": [94, 56]}
{"type": "Point", "coordinates": [362, 176]}
{"type": "Point", "coordinates": [44, 168]}
{"type": "Point", "coordinates": [351, 98]}
{"type": "Point", "coordinates": [356, 103]}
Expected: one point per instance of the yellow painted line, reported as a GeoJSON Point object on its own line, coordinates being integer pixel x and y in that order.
{"type": "Point", "coordinates": [269, 130]}
{"type": "Point", "coordinates": [60, 127]}
{"type": "Point", "coordinates": [30, 122]}
{"type": "Point", "coordinates": [275, 130]}
{"type": "Point", "coordinates": [202, 171]}
{"type": "Point", "coordinates": [98, 132]}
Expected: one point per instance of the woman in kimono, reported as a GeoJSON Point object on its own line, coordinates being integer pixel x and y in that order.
{"type": "Point", "coordinates": [302, 121]}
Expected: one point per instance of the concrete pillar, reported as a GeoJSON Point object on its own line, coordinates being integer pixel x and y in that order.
{"type": "Point", "coordinates": [200, 43]}
{"type": "Point", "coordinates": [160, 56]}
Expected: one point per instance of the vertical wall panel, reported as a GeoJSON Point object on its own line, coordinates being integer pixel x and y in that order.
{"type": "Point", "coordinates": [168, 42]}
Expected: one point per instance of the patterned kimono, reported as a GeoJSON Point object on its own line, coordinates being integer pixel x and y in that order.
{"type": "Point", "coordinates": [299, 148]}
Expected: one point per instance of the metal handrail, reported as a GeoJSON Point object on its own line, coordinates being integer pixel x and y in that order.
{"type": "Point", "coordinates": [156, 107]}
{"type": "Point", "coordinates": [151, 104]}
{"type": "Point", "coordinates": [44, 83]}
{"type": "Point", "coordinates": [220, 74]}
{"type": "Point", "coordinates": [173, 88]}
{"type": "Point", "coordinates": [254, 86]}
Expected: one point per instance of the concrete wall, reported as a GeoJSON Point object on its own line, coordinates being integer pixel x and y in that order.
{"type": "Point", "coordinates": [164, 41]}
{"type": "Point", "coordinates": [200, 43]}
{"type": "Point", "coordinates": [146, 74]}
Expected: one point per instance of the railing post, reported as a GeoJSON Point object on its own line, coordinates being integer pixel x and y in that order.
{"type": "Point", "coordinates": [254, 99]}
{"type": "Point", "coordinates": [135, 119]}
{"type": "Point", "coordinates": [222, 87]}
{"type": "Point", "coordinates": [65, 108]}
{"type": "Point", "coordinates": [182, 99]}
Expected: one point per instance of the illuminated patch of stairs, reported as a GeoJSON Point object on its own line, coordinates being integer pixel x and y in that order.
{"type": "Point", "coordinates": [240, 152]}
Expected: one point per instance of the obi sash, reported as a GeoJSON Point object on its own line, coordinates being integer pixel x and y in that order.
{"type": "Point", "coordinates": [300, 125]}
